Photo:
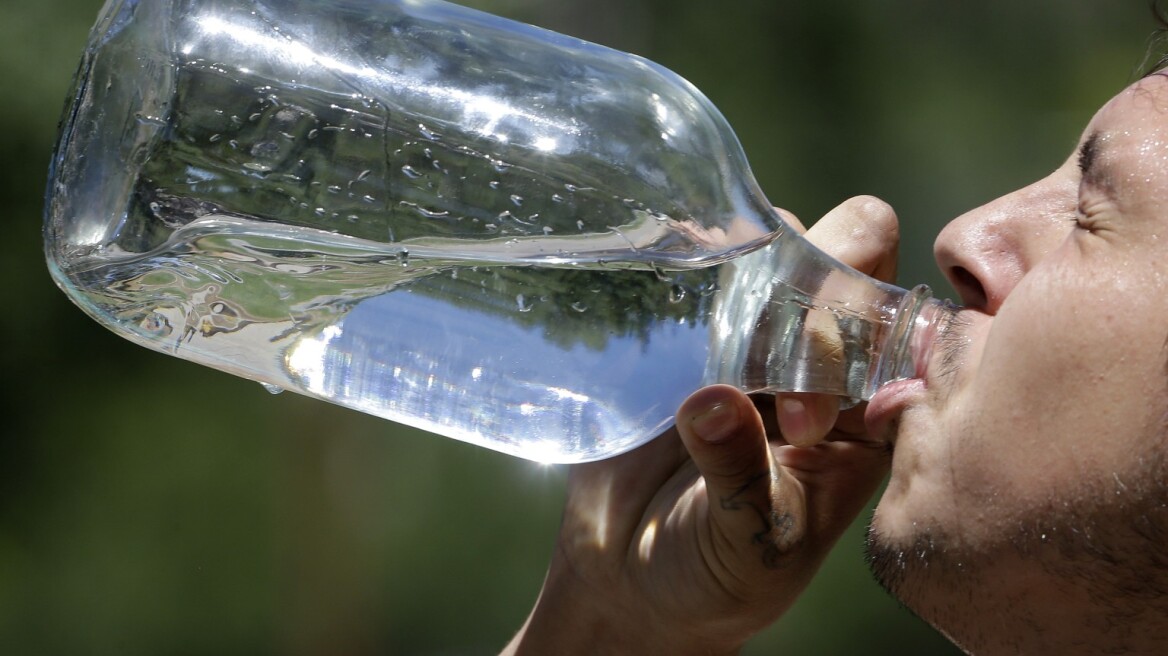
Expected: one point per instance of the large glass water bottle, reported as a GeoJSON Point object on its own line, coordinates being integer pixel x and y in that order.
{"type": "Point", "coordinates": [454, 221]}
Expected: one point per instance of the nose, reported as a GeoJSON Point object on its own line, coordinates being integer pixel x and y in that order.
{"type": "Point", "coordinates": [987, 251]}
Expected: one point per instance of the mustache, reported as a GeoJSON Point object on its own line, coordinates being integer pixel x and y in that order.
{"type": "Point", "coordinates": [952, 344]}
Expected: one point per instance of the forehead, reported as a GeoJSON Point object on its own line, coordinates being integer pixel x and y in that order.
{"type": "Point", "coordinates": [1138, 110]}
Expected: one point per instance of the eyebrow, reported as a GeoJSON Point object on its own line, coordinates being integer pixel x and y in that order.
{"type": "Point", "coordinates": [1088, 154]}
{"type": "Point", "coordinates": [1091, 170]}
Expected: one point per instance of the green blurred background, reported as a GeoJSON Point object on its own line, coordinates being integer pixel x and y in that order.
{"type": "Point", "coordinates": [151, 506]}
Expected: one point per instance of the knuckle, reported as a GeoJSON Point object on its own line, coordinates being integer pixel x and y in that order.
{"type": "Point", "coordinates": [879, 220]}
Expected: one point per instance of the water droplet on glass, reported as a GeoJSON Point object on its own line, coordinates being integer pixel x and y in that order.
{"type": "Point", "coordinates": [493, 184]}
{"type": "Point", "coordinates": [500, 165]}
{"type": "Point", "coordinates": [433, 214]}
{"type": "Point", "coordinates": [272, 389]}
{"type": "Point", "coordinates": [522, 303]}
{"type": "Point", "coordinates": [410, 172]}
{"type": "Point", "coordinates": [517, 199]}
{"type": "Point", "coordinates": [676, 293]}
{"type": "Point", "coordinates": [579, 307]}
{"type": "Point", "coordinates": [556, 198]}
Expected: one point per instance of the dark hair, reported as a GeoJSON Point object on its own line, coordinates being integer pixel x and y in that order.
{"type": "Point", "coordinates": [1157, 55]}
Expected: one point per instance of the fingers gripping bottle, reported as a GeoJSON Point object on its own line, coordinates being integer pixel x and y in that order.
{"type": "Point", "coordinates": [483, 229]}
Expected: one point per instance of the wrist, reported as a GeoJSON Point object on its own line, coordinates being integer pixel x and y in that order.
{"type": "Point", "coordinates": [572, 618]}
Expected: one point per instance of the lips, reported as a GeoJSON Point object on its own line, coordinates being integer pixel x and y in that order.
{"type": "Point", "coordinates": [934, 366]}
{"type": "Point", "coordinates": [888, 402]}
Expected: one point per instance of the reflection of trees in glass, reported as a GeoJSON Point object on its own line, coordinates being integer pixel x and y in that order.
{"type": "Point", "coordinates": [578, 306]}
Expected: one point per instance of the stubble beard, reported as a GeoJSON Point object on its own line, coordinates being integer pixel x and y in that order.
{"type": "Point", "coordinates": [1107, 543]}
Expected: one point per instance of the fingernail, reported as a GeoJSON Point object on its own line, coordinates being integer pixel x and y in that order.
{"type": "Point", "coordinates": [790, 406]}
{"type": "Point", "coordinates": [716, 423]}
{"type": "Point", "coordinates": [793, 421]}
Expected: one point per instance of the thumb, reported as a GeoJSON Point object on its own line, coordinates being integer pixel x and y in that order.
{"type": "Point", "coordinates": [752, 502]}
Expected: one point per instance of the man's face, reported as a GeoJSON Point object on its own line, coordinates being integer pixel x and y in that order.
{"type": "Point", "coordinates": [1031, 459]}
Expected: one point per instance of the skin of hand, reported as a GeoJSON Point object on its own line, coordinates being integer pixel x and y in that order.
{"type": "Point", "coordinates": [699, 539]}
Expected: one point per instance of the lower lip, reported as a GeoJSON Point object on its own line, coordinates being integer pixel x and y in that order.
{"type": "Point", "coordinates": [888, 402]}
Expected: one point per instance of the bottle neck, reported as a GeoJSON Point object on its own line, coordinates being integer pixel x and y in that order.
{"type": "Point", "coordinates": [791, 319]}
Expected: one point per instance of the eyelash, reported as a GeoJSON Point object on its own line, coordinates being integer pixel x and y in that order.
{"type": "Point", "coordinates": [1084, 215]}
{"type": "Point", "coordinates": [1080, 218]}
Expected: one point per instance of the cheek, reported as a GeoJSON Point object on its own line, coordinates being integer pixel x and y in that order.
{"type": "Point", "coordinates": [1064, 388]}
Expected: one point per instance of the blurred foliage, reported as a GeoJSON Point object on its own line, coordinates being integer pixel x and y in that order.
{"type": "Point", "coordinates": [151, 506]}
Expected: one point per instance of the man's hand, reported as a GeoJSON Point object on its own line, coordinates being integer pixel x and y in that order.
{"type": "Point", "coordinates": [699, 539]}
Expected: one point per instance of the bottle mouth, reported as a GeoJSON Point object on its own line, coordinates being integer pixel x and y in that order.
{"type": "Point", "coordinates": [932, 318]}
{"type": "Point", "coordinates": [908, 348]}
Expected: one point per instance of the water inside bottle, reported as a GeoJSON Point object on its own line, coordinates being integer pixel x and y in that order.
{"type": "Point", "coordinates": [531, 355]}
{"type": "Point", "coordinates": [550, 362]}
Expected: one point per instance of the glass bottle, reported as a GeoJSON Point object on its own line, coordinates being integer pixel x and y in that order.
{"type": "Point", "coordinates": [434, 215]}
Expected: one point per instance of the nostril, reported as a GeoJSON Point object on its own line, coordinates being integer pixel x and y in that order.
{"type": "Point", "coordinates": [972, 293]}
